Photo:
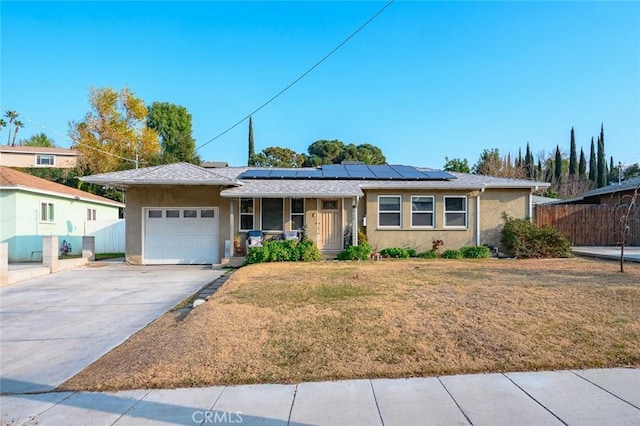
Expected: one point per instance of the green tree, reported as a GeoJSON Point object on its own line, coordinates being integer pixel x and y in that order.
{"type": "Point", "coordinates": [593, 165]}
{"type": "Point", "coordinates": [557, 163]}
{"type": "Point", "coordinates": [582, 166]}
{"type": "Point", "coordinates": [573, 158]}
{"type": "Point", "coordinates": [3, 124]}
{"type": "Point", "coordinates": [632, 171]}
{"type": "Point", "coordinates": [490, 163]}
{"type": "Point", "coordinates": [456, 165]}
{"type": "Point", "coordinates": [172, 123]}
{"type": "Point", "coordinates": [18, 125]}
{"type": "Point", "coordinates": [529, 163]}
{"type": "Point", "coordinates": [39, 139]}
{"type": "Point", "coordinates": [12, 116]}
{"type": "Point", "coordinates": [366, 153]}
{"type": "Point", "coordinates": [602, 162]}
{"type": "Point", "coordinates": [114, 133]}
{"type": "Point", "coordinates": [252, 148]}
{"type": "Point", "coordinates": [275, 156]}
{"type": "Point", "coordinates": [335, 152]}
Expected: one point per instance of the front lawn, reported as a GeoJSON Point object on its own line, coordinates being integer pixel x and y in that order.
{"type": "Point", "coordinates": [293, 322]}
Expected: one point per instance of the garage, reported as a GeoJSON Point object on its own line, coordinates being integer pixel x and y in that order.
{"type": "Point", "coordinates": [181, 236]}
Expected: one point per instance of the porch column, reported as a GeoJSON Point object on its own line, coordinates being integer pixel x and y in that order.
{"type": "Point", "coordinates": [50, 253]}
{"type": "Point", "coordinates": [354, 221]}
{"type": "Point", "coordinates": [232, 227]}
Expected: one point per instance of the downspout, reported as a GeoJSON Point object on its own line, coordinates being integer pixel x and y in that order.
{"type": "Point", "coordinates": [478, 217]}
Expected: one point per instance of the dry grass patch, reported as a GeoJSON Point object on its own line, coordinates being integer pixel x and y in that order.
{"type": "Point", "coordinates": [321, 321]}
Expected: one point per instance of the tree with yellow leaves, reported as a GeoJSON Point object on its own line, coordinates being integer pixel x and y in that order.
{"type": "Point", "coordinates": [114, 135]}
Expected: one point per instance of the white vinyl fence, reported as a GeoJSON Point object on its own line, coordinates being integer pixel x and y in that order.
{"type": "Point", "coordinates": [109, 235]}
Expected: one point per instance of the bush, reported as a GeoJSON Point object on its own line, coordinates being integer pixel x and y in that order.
{"type": "Point", "coordinates": [359, 252]}
{"type": "Point", "coordinates": [525, 239]}
{"type": "Point", "coordinates": [452, 254]}
{"type": "Point", "coordinates": [395, 252]}
{"type": "Point", "coordinates": [475, 252]}
{"type": "Point", "coordinates": [412, 252]}
{"type": "Point", "coordinates": [431, 254]}
{"type": "Point", "coordinates": [284, 251]}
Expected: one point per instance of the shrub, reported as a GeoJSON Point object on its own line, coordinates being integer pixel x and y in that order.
{"type": "Point", "coordinates": [395, 252]}
{"type": "Point", "coordinates": [475, 252]}
{"type": "Point", "coordinates": [412, 252]}
{"type": "Point", "coordinates": [431, 254]}
{"type": "Point", "coordinates": [359, 252]}
{"type": "Point", "coordinates": [451, 254]}
{"type": "Point", "coordinates": [284, 251]}
{"type": "Point", "coordinates": [525, 239]}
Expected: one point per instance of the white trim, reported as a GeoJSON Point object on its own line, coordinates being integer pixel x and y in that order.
{"type": "Point", "coordinates": [399, 226]}
{"type": "Point", "coordinates": [61, 195]}
{"type": "Point", "coordinates": [291, 213]}
{"type": "Point", "coordinates": [466, 211]}
{"type": "Point", "coordinates": [478, 222]}
{"type": "Point", "coordinates": [48, 220]}
{"type": "Point", "coordinates": [433, 212]}
{"type": "Point", "coordinates": [53, 160]}
{"type": "Point", "coordinates": [240, 214]}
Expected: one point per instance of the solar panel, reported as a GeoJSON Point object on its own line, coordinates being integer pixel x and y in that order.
{"type": "Point", "coordinates": [349, 171]}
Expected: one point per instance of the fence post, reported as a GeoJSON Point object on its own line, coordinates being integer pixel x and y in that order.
{"type": "Point", "coordinates": [89, 248]}
{"type": "Point", "coordinates": [4, 264]}
{"type": "Point", "coordinates": [50, 253]}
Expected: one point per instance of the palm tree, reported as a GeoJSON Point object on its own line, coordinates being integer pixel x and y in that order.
{"type": "Point", "coordinates": [11, 115]}
{"type": "Point", "coordinates": [18, 125]}
{"type": "Point", "coordinates": [3, 124]}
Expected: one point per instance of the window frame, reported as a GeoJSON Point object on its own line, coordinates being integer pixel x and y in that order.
{"type": "Point", "coordinates": [91, 214]}
{"type": "Point", "coordinates": [252, 214]}
{"type": "Point", "coordinates": [282, 216]}
{"type": "Point", "coordinates": [50, 210]}
{"type": "Point", "coordinates": [39, 158]}
{"type": "Point", "coordinates": [432, 212]}
{"type": "Point", "coordinates": [398, 212]}
{"type": "Point", "coordinates": [292, 213]}
{"type": "Point", "coordinates": [465, 211]}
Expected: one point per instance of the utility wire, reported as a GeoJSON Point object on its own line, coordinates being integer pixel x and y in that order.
{"type": "Point", "coordinates": [301, 77]}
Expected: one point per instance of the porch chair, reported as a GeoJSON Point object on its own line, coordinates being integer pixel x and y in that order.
{"type": "Point", "coordinates": [254, 239]}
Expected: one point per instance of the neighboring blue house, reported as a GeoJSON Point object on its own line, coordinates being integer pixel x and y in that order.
{"type": "Point", "coordinates": [31, 207]}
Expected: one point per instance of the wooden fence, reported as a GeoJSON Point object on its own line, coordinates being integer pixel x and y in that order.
{"type": "Point", "coordinates": [590, 224]}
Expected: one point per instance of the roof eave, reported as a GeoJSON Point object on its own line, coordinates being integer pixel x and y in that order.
{"type": "Point", "coordinates": [291, 195]}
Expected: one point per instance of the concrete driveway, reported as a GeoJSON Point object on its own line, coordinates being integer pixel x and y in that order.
{"type": "Point", "coordinates": [52, 327]}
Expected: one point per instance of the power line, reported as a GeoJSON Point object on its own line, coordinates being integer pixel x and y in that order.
{"type": "Point", "coordinates": [273, 98]}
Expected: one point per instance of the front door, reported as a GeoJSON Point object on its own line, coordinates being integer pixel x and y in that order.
{"type": "Point", "coordinates": [329, 225]}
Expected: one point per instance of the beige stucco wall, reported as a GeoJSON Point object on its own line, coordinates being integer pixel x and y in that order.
{"type": "Point", "coordinates": [170, 196]}
{"type": "Point", "coordinates": [495, 202]}
{"type": "Point", "coordinates": [492, 204]}
{"type": "Point", "coordinates": [28, 159]}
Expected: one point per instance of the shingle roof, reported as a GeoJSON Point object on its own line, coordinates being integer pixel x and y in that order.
{"type": "Point", "coordinates": [625, 185]}
{"type": "Point", "coordinates": [166, 174]}
{"type": "Point", "coordinates": [38, 149]}
{"type": "Point", "coordinates": [13, 179]}
{"type": "Point", "coordinates": [189, 174]}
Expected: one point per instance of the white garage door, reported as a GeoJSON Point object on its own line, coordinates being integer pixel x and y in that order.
{"type": "Point", "coordinates": [181, 236]}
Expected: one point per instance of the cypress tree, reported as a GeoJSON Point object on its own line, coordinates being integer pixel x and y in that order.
{"type": "Point", "coordinates": [602, 162]}
{"type": "Point", "coordinates": [593, 168]}
{"type": "Point", "coordinates": [573, 160]}
{"type": "Point", "coordinates": [528, 158]}
{"type": "Point", "coordinates": [611, 166]}
{"type": "Point", "coordinates": [539, 172]}
{"type": "Point", "coordinates": [252, 149]}
{"type": "Point", "coordinates": [582, 167]}
{"type": "Point", "coordinates": [557, 174]}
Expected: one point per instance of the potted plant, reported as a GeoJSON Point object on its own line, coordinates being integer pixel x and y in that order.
{"type": "Point", "coordinates": [237, 243]}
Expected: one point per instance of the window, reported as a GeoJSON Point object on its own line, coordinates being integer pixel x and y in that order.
{"type": "Point", "coordinates": [329, 204]}
{"type": "Point", "coordinates": [246, 214]}
{"type": "Point", "coordinates": [46, 212]}
{"type": "Point", "coordinates": [190, 213]}
{"type": "Point", "coordinates": [91, 214]}
{"type": "Point", "coordinates": [389, 211]}
{"type": "Point", "coordinates": [155, 214]}
{"type": "Point", "coordinates": [455, 212]}
{"type": "Point", "coordinates": [44, 160]}
{"type": "Point", "coordinates": [272, 214]}
{"type": "Point", "coordinates": [207, 213]}
{"type": "Point", "coordinates": [297, 214]}
{"type": "Point", "coordinates": [172, 214]}
{"type": "Point", "coordinates": [422, 211]}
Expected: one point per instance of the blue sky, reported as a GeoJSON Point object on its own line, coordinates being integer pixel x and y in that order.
{"type": "Point", "coordinates": [423, 81]}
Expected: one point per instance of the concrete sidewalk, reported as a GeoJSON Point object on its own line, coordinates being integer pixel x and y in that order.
{"type": "Point", "coordinates": [577, 397]}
